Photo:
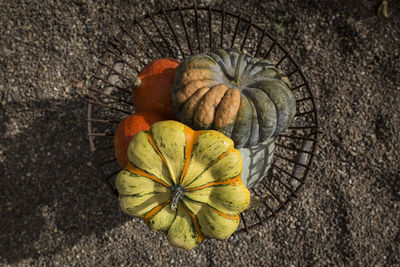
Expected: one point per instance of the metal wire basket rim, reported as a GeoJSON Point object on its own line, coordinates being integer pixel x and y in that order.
{"type": "Point", "coordinates": [264, 32]}
{"type": "Point", "coordinates": [223, 11]}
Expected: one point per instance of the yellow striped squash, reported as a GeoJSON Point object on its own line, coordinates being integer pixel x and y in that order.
{"type": "Point", "coordinates": [186, 183]}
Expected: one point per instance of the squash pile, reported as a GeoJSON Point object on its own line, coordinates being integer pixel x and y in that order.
{"type": "Point", "coordinates": [185, 178]}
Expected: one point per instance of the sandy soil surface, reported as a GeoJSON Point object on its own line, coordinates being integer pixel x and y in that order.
{"type": "Point", "coordinates": [55, 211]}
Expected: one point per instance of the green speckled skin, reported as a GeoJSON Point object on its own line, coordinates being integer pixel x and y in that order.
{"type": "Point", "coordinates": [281, 100]}
{"type": "Point", "coordinates": [243, 121]}
{"type": "Point", "coordinates": [255, 128]}
{"type": "Point", "coordinates": [266, 112]}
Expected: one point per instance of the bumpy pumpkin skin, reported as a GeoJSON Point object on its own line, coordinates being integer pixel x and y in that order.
{"type": "Point", "coordinates": [185, 183]}
{"type": "Point", "coordinates": [245, 98]}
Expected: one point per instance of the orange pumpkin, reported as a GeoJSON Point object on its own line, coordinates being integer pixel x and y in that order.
{"type": "Point", "coordinates": [154, 93]}
{"type": "Point", "coordinates": [130, 126]}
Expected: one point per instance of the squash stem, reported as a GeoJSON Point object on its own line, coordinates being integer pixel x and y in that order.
{"type": "Point", "coordinates": [238, 68]}
{"type": "Point", "coordinates": [136, 82]}
{"type": "Point", "coordinates": [177, 194]}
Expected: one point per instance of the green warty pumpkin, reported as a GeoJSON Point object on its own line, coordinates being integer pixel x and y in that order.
{"type": "Point", "coordinates": [246, 98]}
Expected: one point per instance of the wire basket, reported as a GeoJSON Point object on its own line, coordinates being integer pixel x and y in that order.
{"type": "Point", "coordinates": [179, 33]}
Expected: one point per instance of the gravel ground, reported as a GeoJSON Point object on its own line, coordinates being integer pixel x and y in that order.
{"type": "Point", "coordinates": [55, 211]}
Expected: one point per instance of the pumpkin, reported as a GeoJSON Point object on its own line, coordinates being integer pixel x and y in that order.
{"type": "Point", "coordinates": [246, 98]}
{"type": "Point", "coordinates": [127, 128]}
{"type": "Point", "coordinates": [152, 90]}
{"type": "Point", "coordinates": [186, 183]}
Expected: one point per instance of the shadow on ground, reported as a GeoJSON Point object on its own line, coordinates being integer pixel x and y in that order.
{"type": "Point", "coordinates": [51, 191]}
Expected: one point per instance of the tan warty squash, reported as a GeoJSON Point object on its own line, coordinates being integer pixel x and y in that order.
{"type": "Point", "coordinates": [245, 98]}
{"type": "Point", "coordinates": [183, 182]}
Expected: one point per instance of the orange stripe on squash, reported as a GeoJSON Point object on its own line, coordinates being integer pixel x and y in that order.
{"type": "Point", "coordinates": [153, 144]}
{"type": "Point", "coordinates": [191, 138]}
{"type": "Point", "coordinates": [228, 216]}
{"type": "Point", "coordinates": [233, 181]}
{"type": "Point", "coordinates": [200, 236]}
{"type": "Point", "coordinates": [223, 155]}
{"type": "Point", "coordinates": [154, 211]}
{"type": "Point", "coordinates": [140, 172]}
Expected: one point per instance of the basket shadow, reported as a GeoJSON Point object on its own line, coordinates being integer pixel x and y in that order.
{"type": "Point", "coordinates": [51, 194]}
{"type": "Point", "coordinates": [255, 167]}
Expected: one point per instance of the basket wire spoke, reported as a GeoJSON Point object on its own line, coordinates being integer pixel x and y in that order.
{"type": "Point", "coordinates": [181, 32]}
